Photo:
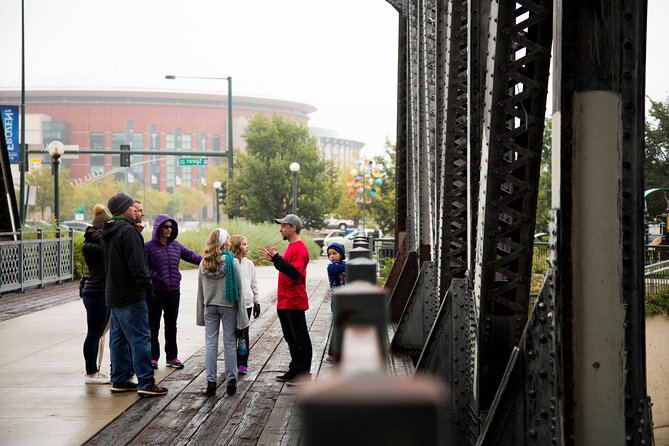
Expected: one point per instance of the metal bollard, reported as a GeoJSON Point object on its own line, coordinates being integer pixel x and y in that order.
{"type": "Point", "coordinates": [359, 252]}
{"type": "Point", "coordinates": [361, 268]}
{"type": "Point", "coordinates": [360, 243]}
{"type": "Point", "coordinates": [360, 303]}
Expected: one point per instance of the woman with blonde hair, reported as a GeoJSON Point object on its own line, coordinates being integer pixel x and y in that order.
{"type": "Point", "coordinates": [93, 295]}
{"type": "Point", "coordinates": [218, 304]}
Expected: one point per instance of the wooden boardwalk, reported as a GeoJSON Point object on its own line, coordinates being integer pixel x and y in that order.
{"type": "Point", "coordinates": [262, 412]}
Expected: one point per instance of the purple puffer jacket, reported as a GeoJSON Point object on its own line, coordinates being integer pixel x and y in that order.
{"type": "Point", "coordinates": [163, 260]}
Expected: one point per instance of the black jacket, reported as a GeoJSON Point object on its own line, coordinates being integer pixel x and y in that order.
{"type": "Point", "coordinates": [92, 251]}
{"type": "Point", "coordinates": [127, 274]}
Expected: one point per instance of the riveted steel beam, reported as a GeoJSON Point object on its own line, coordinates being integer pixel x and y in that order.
{"type": "Point", "coordinates": [597, 183]}
{"type": "Point", "coordinates": [515, 103]}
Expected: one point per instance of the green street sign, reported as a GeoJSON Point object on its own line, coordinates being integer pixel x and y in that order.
{"type": "Point", "coordinates": [193, 161]}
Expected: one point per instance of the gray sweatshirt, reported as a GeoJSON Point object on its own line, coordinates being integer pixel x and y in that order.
{"type": "Point", "coordinates": [211, 291]}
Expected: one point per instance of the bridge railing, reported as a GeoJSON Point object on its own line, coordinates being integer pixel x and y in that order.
{"type": "Point", "coordinates": [656, 277]}
{"type": "Point", "coordinates": [31, 259]}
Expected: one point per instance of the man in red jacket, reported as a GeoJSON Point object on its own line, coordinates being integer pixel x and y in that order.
{"type": "Point", "coordinates": [292, 300]}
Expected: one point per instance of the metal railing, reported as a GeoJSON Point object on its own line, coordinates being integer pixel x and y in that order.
{"type": "Point", "coordinates": [656, 277]}
{"type": "Point", "coordinates": [383, 248]}
{"type": "Point", "coordinates": [31, 259]}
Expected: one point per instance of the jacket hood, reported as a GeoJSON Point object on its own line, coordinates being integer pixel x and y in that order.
{"type": "Point", "coordinates": [111, 227]}
{"type": "Point", "coordinates": [215, 274]}
{"type": "Point", "coordinates": [92, 234]}
{"type": "Point", "coordinates": [159, 220]}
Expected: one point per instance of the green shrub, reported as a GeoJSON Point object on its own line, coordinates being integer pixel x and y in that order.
{"type": "Point", "coordinates": [384, 270]}
{"type": "Point", "coordinates": [258, 235]}
{"type": "Point", "coordinates": [80, 268]}
{"type": "Point", "coordinates": [657, 303]}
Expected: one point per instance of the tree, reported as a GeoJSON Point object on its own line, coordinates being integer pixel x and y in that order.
{"type": "Point", "coordinates": [383, 207]}
{"type": "Point", "coordinates": [544, 194]}
{"type": "Point", "coordinates": [43, 179]}
{"type": "Point", "coordinates": [656, 154]}
{"type": "Point", "coordinates": [261, 189]}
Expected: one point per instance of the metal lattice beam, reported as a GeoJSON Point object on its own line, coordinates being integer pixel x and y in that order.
{"type": "Point", "coordinates": [517, 69]}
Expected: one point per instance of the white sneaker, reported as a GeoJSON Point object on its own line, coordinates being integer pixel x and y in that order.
{"type": "Point", "coordinates": [99, 378]}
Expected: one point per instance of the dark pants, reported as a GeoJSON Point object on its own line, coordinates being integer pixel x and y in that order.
{"type": "Point", "coordinates": [165, 303]}
{"type": "Point", "coordinates": [296, 334]}
{"type": "Point", "coordinates": [244, 359]}
{"type": "Point", "coordinates": [97, 316]}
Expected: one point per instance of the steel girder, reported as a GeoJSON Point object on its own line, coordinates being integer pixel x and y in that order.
{"type": "Point", "coordinates": [515, 104]}
{"type": "Point", "coordinates": [599, 112]}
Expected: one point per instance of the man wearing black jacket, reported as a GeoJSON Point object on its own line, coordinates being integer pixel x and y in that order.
{"type": "Point", "coordinates": [127, 287]}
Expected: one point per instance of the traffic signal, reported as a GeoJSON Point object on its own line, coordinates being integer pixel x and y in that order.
{"type": "Point", "coordinates": [125, 157]}
{"type": "Point", "coordinates": [221, 195]}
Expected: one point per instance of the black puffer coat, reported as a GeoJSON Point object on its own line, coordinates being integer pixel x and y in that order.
{"type": "Point", "coordinates": [92, 251]}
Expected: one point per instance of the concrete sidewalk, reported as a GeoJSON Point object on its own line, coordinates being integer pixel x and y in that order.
{"type": "Point", "coordinates": [44, 398]}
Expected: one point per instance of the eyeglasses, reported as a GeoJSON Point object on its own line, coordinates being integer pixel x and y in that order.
{"type": "Point", "coordinates": [167, 226]}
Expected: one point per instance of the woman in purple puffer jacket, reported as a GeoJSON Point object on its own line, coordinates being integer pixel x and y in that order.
{"type": "Point", "coordinates": [163, 253]}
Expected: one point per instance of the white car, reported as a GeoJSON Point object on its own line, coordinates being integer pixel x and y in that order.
{"type": "Point", "coordinates": [346, 240]}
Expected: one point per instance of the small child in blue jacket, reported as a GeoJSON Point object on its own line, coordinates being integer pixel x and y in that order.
{"type": "Point", "coordinates": [337, 277]}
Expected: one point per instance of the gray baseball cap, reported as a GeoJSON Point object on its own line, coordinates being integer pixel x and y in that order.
{"type": "Point", "coordinates": [290, 219]}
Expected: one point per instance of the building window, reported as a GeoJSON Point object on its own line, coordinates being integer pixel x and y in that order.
{"type": "Point", "coordinates": [97, 161]}
{"type": "Point", "coordinates": [117, 140]}
{"type": "Point", "coordinates": [170, 174]}
{"type": "Point", "coordinates": [186, 171]}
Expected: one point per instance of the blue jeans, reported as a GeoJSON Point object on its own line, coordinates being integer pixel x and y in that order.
{"type": "Point", "coordinates": [97, 316]}
{"type": "Point", "coordinates": [130, 344]}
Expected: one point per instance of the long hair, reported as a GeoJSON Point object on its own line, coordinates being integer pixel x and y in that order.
{"type": "Point", "coordinates": [236, 245]}
{"type": "Point", "coordinates": [211, 260]}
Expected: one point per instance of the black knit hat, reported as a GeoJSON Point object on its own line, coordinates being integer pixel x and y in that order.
{"type": "Point", "coordinates": [119, 203]}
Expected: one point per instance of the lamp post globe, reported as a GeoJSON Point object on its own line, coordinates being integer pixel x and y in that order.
{"type": "Point", "coordinates": [217, 200]}
{"type": "Point", "coordinates": [56, 149]}
{"type": "Point", "coordinates": [294, 167]}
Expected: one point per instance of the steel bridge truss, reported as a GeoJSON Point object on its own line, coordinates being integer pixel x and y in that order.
{"type": "Point", "coordinates": [472, 91]}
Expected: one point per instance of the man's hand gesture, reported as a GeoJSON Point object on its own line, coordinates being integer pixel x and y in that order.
{"type": "Point", "coordinates": [268, 252]}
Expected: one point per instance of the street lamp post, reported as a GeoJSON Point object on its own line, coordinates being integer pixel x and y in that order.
{"type": "Point", "coordinates": [294, 167]}
{"type": "Point", "coordinates": [56, 150]}
{"type": "Point", "coordinates": [217, 199]}
{"type": "Point", "coordinates": [229, 79]}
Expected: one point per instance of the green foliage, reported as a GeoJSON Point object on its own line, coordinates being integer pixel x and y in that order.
{"type": "Point", "coordinates": [384, 270]}
{"type": "Point", "coordinates": [383, 208]}
{"type": "Point", "coordinates": [44, 180]}
{"type": "Point", "coordinates": [258, 235]}
{"type": "Point", "coordinates": [262, 186]}
{"type": "Point", "coordinates": [656, 154]}
{"type": "Point", "coordinates": [544, 194]}
{"type": "Point", "coordinates": [80, 268]}
{"type": "Point", "coordinates": [658, 303]}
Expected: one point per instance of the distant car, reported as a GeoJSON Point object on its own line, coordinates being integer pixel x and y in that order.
{"type": "Point", "coordinates": [338, 223]}
{"type": "Point", "coordinates": [346, 238]}
{"type": "Point", "coordinates": [78, 226]}
{"type": "Point", "coordinates": [189, 226]}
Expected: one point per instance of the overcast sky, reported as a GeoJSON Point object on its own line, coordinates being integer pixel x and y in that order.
{"type": "Point", "coordinates": [339, 56]}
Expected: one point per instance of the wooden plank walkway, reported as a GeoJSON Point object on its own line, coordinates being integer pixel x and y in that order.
{"type": "Point", "coordinates": [262, 412]}
{"type": "Point", "coordinates": [18, 303]}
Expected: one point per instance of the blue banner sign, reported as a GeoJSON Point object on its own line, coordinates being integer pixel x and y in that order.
{"type": "Point", "coordinates": [10, 122]}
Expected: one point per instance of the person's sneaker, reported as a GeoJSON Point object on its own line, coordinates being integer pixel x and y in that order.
{"type": "Point", "coordinates": [243, 370]}
{"type": "Point", "coordinates": [98, 378]}
{"type": "Point", "coordinates": [285, 377]}
{"type": "Point", "coordinates": [152, 390]}
{"type": "Point", "coordinates": [299, 380]}
{"type": "Point", "coordinates": [232, 387]}
{"type": "Point", "coordinates": [154, 364]}
{"type": "Point", "coordinates": [176, 363]}
{"type": "Point", "coordinates": [329, 360]}
{"type": "Point", "coordinates": [211, 388]}
{"type": "Point", "coordinates": [126, 386]}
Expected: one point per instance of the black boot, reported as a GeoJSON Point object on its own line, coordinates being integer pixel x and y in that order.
{"type": "Point", "coordinates": [232, 387]}
{"type": "Point", "coordinates": [211, 388]}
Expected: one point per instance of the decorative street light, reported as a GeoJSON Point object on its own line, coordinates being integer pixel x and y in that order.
{"type": "Point", "coordinates": [229, 79]}
{"type": "Point", "coordinates": [294, 167]}
{"type": "Point", "coordinates": [366, 179]}
{"type": "Point", "coordinates": [217, 200]}
{"type": "Point", "coordinates": [56, 150]}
